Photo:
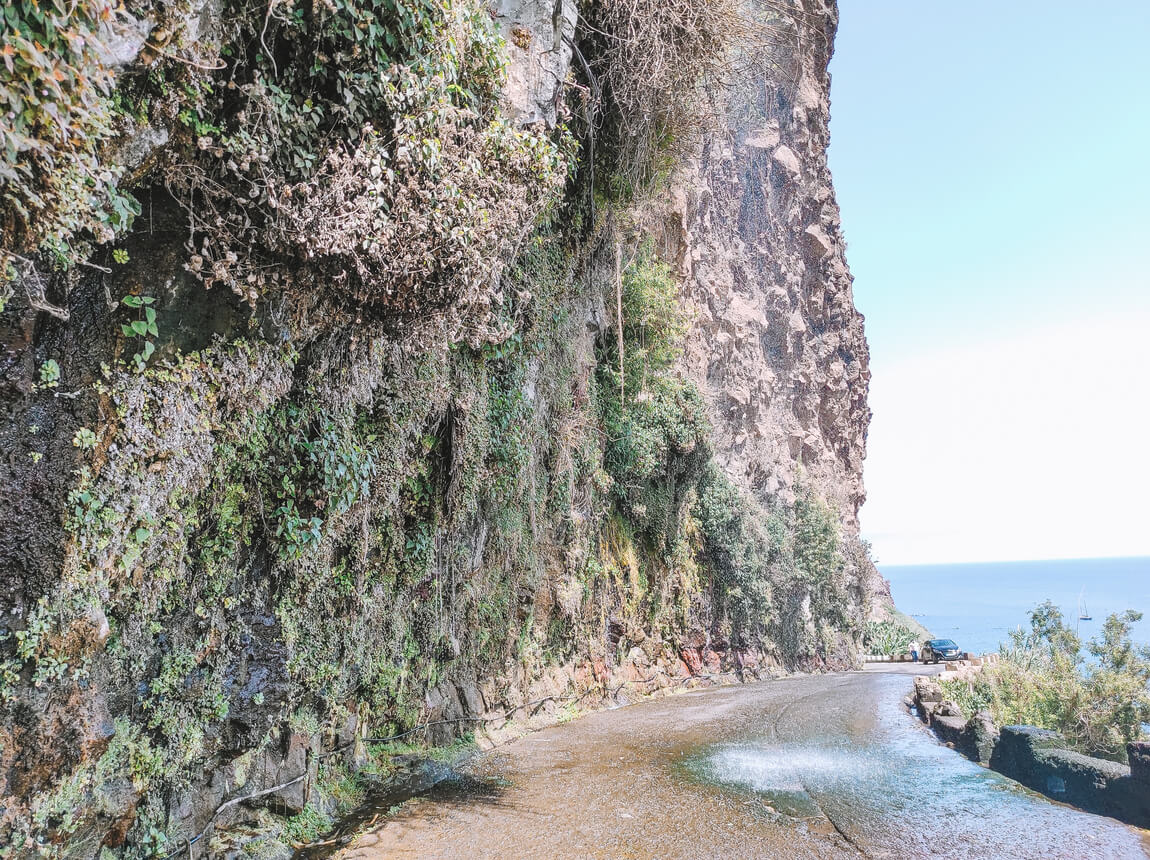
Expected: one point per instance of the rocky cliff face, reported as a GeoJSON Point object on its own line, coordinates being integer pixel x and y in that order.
{"type": "Point", "coordinates": [753, 229]}
{"type": "Point", "coordinates": [777, 344]}
{"type": "Point", "coordinates": [456, 439]}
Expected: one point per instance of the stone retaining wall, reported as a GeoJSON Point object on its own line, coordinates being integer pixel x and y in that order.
{"type": "Point", "coordinates": [1040, 759]}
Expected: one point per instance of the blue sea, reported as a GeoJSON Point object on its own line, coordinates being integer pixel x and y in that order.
{"type": "Point", "coordinates": [977, 605]}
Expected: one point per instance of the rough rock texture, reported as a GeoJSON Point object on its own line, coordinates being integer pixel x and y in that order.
{"type": "Point", "coordinates": [982, 737]}
{"type": "Point", "coordinates": [1039, 760]}
{"type": "Point", "coordinates": [539, 36]}
{"type": "Point", "coordinates": [777, 343]}
{"type": "Point", "coordinates": [1139, 756]}
{"type": "Point", "coordinates": [927, 690]}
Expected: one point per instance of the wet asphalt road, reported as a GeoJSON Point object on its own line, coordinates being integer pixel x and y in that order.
{"type": "Point", "coordinates": [814, 766]}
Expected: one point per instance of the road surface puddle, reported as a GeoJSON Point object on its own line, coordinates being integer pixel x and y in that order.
{"type": "Point", "coordinates": [780, 775]}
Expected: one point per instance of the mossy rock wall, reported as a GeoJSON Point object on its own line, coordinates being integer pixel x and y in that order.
{"type": "Point", "coordinates": [353, 488]}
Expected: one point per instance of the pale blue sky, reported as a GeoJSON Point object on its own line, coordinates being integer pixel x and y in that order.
{"type": "Point", "coordinates": [993, 167]}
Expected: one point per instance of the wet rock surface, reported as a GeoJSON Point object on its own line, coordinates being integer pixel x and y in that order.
{"type": "Point", "coordinates": [1040, 760]}
{"type": "Point", "coordinates": [815, 766]}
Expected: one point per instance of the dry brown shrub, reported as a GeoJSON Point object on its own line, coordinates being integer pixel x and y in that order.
{"type": "Point", "coordinates": [670, 73]}
{"type": "Point", "coordinates": [427, 223]}
{"type": "Point", "coordinates": [412, 207]}
{"type": "Point", "coordinates": [656, 61]}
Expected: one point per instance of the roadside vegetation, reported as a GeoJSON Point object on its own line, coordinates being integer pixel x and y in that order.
{"type": "Point", "coordinates": [1098, 700]}
{"type": "Point", "coordinates": [888, 638]}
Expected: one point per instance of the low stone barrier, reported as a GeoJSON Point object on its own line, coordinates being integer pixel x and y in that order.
{"type": "Point", "coordinates": [1040, 760]}
{"type": "Point", "coordinates": [975, 738]}
{"type": "Point", "coordinates": [1139, 755]}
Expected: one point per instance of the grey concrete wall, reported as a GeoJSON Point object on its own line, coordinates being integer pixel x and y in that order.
{"type": "Point", "coordinates": [1039, 760]}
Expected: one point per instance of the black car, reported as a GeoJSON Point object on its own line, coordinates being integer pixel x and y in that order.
{"type": "Point", "coordinates": [940, 649]}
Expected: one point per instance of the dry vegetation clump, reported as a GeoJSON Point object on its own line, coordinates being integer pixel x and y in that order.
{"type": "Point", "coordinates": [656, 61]}
{"type": "Point", "coordinates": [415, 201]}
{"type": "Point", "coordinates": [426, 224]}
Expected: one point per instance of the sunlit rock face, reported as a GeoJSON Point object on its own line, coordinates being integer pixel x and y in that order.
{"type": "Point", "coordinates": [752, 222]}
{"type": "Point", "coordinates": [539, 37]}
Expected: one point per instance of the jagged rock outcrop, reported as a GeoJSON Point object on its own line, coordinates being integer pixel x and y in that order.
{"type": "Point", "coordinates": [777, 343]}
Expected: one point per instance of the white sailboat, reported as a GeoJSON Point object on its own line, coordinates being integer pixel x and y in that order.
{"type": "Point", "coordinates": [1083, 612]}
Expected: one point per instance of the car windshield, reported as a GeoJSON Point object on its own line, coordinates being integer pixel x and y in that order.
{"type": "Point", "coordinates": [943, 643]}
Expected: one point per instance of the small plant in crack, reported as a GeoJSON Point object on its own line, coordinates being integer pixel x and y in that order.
{"type": "Point", "coordinates": [143, 327]}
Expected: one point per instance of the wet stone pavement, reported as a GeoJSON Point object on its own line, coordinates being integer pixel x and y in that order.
{"type": "Point", "coordinates": [814, 766]}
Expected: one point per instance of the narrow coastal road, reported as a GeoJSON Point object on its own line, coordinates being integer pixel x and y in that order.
{"type": "Point", "coordinates": [820, 766]}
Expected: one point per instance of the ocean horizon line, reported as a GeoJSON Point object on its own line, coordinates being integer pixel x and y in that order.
{"type": "Point", "coordinates": [881, 565]}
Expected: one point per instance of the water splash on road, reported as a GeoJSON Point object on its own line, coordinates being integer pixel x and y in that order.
{"type": "Point", "coordinates": [781, 774]}
{"type": "Point", "coordinates": [890, 789]}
